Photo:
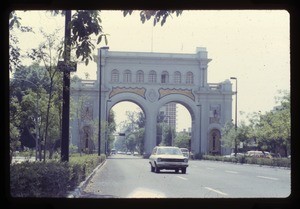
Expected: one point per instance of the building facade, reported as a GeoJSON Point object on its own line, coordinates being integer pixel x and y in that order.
{"type": "Point", "coordinates": [152, 80]}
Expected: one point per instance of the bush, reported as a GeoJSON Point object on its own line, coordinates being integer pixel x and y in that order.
{"type": "Point", "coordinates": [198, 156]}
{"type": "Point", "coordinates": [280, 162]}
{"type": "Point", "coordinates": [38, 179]}
{"type": "Point", "coordinates": [51, 178]}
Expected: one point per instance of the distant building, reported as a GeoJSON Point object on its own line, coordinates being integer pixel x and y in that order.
{"type": "Point", "coordinates": [169, 111]}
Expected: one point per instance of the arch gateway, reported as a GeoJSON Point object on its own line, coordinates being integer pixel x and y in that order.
{"type": "Point", "coordinates": [152, 80]}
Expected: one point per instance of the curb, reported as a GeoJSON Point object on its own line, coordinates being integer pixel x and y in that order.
{"type": "Point", "coordinates": [77, 192]}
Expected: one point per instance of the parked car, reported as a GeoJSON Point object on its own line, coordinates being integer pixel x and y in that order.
{"type": "Point", "coordinates": [167, 158]}
{"type": "Point", "coordinates": [113, 152]}
{"type": "Point", "coordinates": [185, 152]}
{"type": "Point", "coordinates": [238, 154]}
{"type": "Point", "coordinates": [255, 153]}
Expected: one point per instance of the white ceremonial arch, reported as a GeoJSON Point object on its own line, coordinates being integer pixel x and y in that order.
{"type": "Point", "coordinates": [152, 80]}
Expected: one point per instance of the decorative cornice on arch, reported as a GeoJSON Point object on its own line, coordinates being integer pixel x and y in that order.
{"type": "Point", "coordinates": [167, 91]}
{"type": "Point", "coordinates": [136, 90]}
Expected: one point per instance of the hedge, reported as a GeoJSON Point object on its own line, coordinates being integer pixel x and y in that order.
{"type": "Point", "coordinates": [51, 178]}
{"type": "Point", "coordinates": [279, 162]}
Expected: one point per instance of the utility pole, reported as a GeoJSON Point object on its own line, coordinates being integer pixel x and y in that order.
{"type": "Point", "coordinates": [66, 91]}
{"type": "Point", "coordinates": [100, 100]}
{"type": "Point", "coordinates": [235, 125]}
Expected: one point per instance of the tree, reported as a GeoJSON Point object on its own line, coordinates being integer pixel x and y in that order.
{"type": "Point", "coordinates": [111, 129]}
{"type": "Point", "coordinates": [14, 124]}
{"type": "Point", "coordinates": [158, 15]}
{"type": "Point", "coordinates": [182, 140]}
{"type": "Point", "coordinates": [229, 134]}
{"type": "Point", "coordinates": [46, 54]}
{"type": "Point", "coordinates": [27, 86]}
{"type": "Point", "coordinates": [168, 134]}
{"type": "Point", "coordinates": [274, 127]}
{"type": "Point", "coordinates": [14, 50]}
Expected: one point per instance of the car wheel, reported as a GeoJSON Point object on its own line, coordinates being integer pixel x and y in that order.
{"type": "Point", "coordinates": [176, 170]}
{"type": "Point", "coordinates": [183, 170]}
{"type": "Point", "coordinates": [156, 169]}
{"type": "Point", "coordinates": [152, 168]}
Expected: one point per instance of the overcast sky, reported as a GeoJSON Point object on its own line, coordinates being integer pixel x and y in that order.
{"type": "Point", "coordinates": [252, 45]}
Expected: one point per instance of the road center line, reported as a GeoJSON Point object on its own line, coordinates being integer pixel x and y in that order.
{"type": "Point", "coordinates": [182, 178]}
{"type": "Point", "coordinates": [217, 191]}
{"type": "Point", "coordinates": [266, 177]}
{"type": "Point", "coordinates": [231, 172]}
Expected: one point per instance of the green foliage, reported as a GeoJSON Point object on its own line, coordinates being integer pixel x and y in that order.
{"type": "Point", "coordinates": [84, 24]}
{"type": "Point", "coordinates": [51, 178]}
{"type": "Point", "coordinates": [182, 140]}
{"type": "Point", "coordinates": [273, 129]}
{"type": "Point", "coordinates": [158, 15]}
{"type": "Point", "coordinates": [277, 162]}
{"type": "Point", "coordinates": [38, 179]}
{"type": "Point", "coordinates": [270, 131]}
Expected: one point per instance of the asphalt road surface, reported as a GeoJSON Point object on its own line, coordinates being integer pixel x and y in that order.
{"type": "Point", "coordinates": [124, 176]}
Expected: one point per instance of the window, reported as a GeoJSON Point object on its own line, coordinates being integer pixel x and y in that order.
{"type": "Point", "coordinates": [165, 77]}
{"type": "Point", "coordinates": [140, 76]}
{"type": "Point", "coordinates": [152, 77]}
{"type": "Point", "coordinates": [115, 76]}
{"type": "Point", "coordinates": [189, 78]}
{"type": "Point", "coordinates": [177, 77]}
{"type": "Point", "coordinates": [127, 76]}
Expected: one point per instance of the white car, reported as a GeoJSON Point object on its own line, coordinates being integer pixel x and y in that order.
{"type": "Point", "coordinates": [168, 158]}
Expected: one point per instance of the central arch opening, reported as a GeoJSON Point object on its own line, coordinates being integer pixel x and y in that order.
{"type": "Point", "coordinates": [174, 125]}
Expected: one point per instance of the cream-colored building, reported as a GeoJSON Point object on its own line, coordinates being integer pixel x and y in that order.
{"type": "Point", "coordinates": [152, 80]}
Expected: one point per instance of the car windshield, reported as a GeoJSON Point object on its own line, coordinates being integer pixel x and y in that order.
{"type": "Point", "coordinates": [168, 151]}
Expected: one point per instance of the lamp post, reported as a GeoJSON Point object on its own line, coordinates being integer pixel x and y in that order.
{"type": "Point", "coordinates": [106, 117]}
{"type": "Point", "coordinates": [100, 94]}
{"type": "Point", "coordinates": [37, 147]}
{"type": "Point", "coordinates": [235, 126]}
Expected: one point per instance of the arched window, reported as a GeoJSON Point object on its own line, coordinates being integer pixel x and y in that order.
{"type": "Point", "coordinates": [165, 77]}
{"type": "Point", "coordinates": [189, 78]}
{"type": "Point", "coordinates": [177, 77]}
{"type": "Point", "coordinates": [115, 76]}
{"type": "Point", "coordinates": [140, 76]}
{"type": "Point", "coordinates": [152, 77]}
{"type": "Point", "coordinates": [127, 76]}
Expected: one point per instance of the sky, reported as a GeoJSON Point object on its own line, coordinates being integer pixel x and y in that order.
{"type": "Point", "coordinates": [251, 45]}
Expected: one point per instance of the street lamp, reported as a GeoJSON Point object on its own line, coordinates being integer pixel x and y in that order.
{"type": "Point", "coordinates": [235, 140]}
{"type": "Point", "coordinates": [37, 147]}
{"type": "Point", "coordinates": [100, 84]}
{"type": "Point", "coordinates": [106, 117]}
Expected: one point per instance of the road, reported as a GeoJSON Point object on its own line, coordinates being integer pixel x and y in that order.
{"type": "Point", "coordinates": [125, 176]}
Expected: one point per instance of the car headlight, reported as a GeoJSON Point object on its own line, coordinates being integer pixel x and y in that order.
{"type": "Point", "coordinates": [186, 160]}
{"type": "Point", "coordinates": [158, 159]}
